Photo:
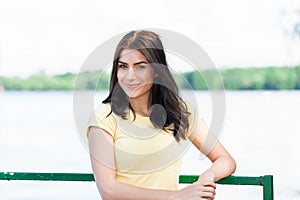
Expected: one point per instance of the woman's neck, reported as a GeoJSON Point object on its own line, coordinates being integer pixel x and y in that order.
{"type": "Point", "coordinates": [140, 106]}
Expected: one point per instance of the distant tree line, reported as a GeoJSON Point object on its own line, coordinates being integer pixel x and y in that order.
{"type": "Point", "coordinates": [267, 78]}
{"type": "Point", "coordinates": [41, 81]}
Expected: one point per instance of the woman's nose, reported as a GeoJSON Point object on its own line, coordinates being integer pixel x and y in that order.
{"type": "Point", "coordinates": [131, 74]}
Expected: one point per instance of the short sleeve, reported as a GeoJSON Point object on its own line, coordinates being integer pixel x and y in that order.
{"type": "Point", "coordinates": [193, 119]}
{"type": "Point", "coordinates": [100, 118]}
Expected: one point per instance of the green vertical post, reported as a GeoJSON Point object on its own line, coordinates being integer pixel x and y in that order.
{"type": "Point", "coordinates": [268, 187]}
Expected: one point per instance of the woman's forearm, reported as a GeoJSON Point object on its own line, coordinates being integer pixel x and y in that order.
{"type": "Point", "coordinates": [122, 191]}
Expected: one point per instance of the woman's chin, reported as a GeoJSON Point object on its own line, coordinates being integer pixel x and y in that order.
{"type": "Point", "coordinates": [133, 96]}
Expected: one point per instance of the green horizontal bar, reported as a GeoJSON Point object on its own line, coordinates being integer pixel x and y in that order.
{"type": "Point", "coordinates": [265, 181]}
{"type": "Point", "coordinates": [45, 176]}
{"type": "Point", "coordinates": [242, 180]}
{"type": "Point", "coordinates": [231, 180]}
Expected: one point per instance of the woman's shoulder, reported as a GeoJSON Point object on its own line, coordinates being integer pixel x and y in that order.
{"type": "Point", "coordinates": [104, 106]}
{"type": "Point", "coordinates": [103, 109]}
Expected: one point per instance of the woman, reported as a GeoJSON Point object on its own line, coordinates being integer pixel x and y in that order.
{"type": "Point", "coordinates": [138, 133]}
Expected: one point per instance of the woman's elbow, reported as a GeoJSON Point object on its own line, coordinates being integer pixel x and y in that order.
{"type": "Point", "coordinates": [107, 191]}
{"type": "Point", "coordinates": [233, 164]}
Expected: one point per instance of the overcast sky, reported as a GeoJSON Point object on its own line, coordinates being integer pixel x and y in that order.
{"type": "Point", "coordinates": [58, 35]}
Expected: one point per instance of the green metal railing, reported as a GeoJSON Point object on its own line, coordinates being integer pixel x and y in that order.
{"type": "Point", "coordinates": [265, 181]}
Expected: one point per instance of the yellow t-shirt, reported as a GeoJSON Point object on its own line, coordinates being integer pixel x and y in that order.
{"type": "Point", "coordinates": [144, 155]}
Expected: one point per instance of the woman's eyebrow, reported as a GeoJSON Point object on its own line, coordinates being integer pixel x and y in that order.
{"type": "Point", "coordinates": [141, 62]}
{"type": "Point", "coordinates": [124, 63]}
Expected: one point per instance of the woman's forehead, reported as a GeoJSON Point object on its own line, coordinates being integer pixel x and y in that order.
{"type": "Point", "coordinates": [131, 56]}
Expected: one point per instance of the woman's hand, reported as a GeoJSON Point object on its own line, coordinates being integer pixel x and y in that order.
{"type": "Point", "coordinates": [200, 190]}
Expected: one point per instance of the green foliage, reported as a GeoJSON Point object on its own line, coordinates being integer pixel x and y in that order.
{"type": "Point", "coordinates": [268, 78]}
{"type": "Point", "coordinates": [193, 80]}
{"type": "Point", "coordinates": [297, 77]}
{"type": "Point", "coordinates": [13, 83]}
{"type": "Point", "coordinates": [280, 78]}
{"type": "Point", "coordinates": [244, 79]}
{"type": "Point", "coordinates": [92, 81]}
{"type": "Point", "coordinates": [40, 81]}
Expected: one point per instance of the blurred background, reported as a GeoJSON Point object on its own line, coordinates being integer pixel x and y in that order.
{"type": "Point", "coordinates": [255, 46]}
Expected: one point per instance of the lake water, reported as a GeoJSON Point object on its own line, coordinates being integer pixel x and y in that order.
{"type": "Point", "coordinates": [38, 134]}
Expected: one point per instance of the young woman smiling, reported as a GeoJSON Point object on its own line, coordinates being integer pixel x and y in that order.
{"type": "Point", "coordinates": [137, 133]}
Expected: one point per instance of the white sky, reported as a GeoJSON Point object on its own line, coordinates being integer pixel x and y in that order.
{"type": "Point", "coordinates": [58, 35]}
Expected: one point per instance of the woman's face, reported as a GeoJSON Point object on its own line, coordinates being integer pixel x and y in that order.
{"type": "Point", "coordinates": [135, 74]}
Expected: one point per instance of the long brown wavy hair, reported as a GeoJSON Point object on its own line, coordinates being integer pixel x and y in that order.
{"type": "Point", "coordinates": [164, 90]}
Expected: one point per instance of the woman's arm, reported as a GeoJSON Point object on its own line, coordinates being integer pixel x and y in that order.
{"type": "Point", "coordinates": [223, 163]}
{"type": "Point", "coordinates": [103, 164]}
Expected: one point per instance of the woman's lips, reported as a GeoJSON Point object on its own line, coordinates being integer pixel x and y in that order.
{"type": "Point", "coordinates": [132, 86]}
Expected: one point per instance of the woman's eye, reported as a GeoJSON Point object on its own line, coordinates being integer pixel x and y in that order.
{"type": "Point", "coordinates": [141, 67]}
{"type": "Point", "coordinates": [122, 66]}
